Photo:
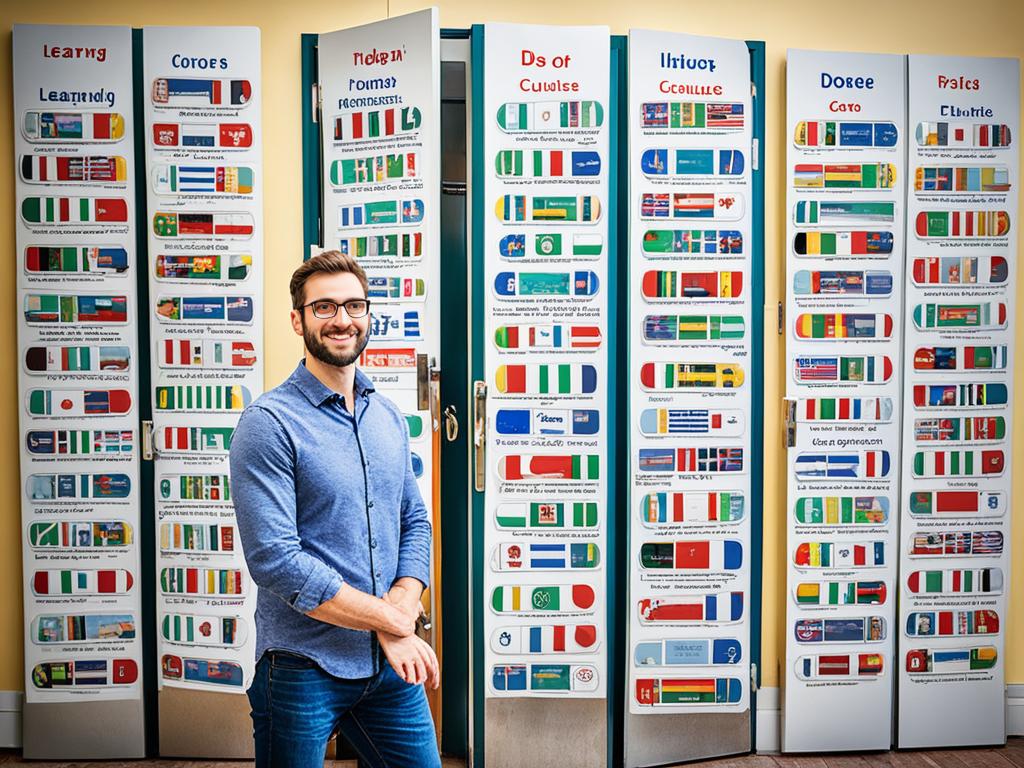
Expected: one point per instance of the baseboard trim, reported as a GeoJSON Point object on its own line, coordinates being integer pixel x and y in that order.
{"type": "Point", "coordinates": [769, 716]}
{"type": "Point", "coordinates": [1015, 710]}
{"type": "Point", "coordinates": [10, 719]}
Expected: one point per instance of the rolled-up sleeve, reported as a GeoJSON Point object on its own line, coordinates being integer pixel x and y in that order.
{"type": "Point", "coordinates": [414, 545]}
{"type": "Point", "coordinates": [263, 489]}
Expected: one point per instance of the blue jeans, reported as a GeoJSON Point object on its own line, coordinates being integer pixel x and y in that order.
{"type": "Point", "coordinates": [296, 706]}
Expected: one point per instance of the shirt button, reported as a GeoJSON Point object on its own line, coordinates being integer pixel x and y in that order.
{"type": "Point", "coordinates": [370, 505]}
{"type": "Point", "coordinates": [377, 574]}
{"type": "Point", "coordinates": [373, 543]}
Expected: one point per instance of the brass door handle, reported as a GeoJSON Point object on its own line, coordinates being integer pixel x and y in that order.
{"type": "Point", "coordinates": [480, 435]}
{"type": "Point", "coordinates": [451, 424]}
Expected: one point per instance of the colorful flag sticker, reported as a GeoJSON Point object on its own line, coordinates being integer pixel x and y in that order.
{"type": "Point", "coordinates": [845, 369]}
{"type": "Point", "coordinates": [84, 673]}
{"type": "Point", "coordinates": [692, 421]}
{"type": "Point", "coordinates": [956, 544]}
{"type": "Point", "coordinates": [377, 124]}
{"type": "Point", "coordinates": [844, 409]}
{"type": "Point", "coordinates": [989, 315]}
{"type": "Point", "coordinates": [546, 116]}
{"type": "Point", "coordinates": [200, 136]}
{"type": "Point", "coordinates": [203, 352]}
{"type": "Point", "coordinates": [951, 661]}
{"type": "Point", "coordinates": [546, 163]}
{"type": "Point", "coordinates": [43, 127]}
{"type": "Point", "coordinates": [375, 169]}
{"type": "Point", "coordinates": [545, 638]}
{"type": "Point", "coordinates": [840, 666]}
{"type": "Point", "coordinates": [960, 358]}
{"type": "Point", "coordinates": [549, 467]}
{"type": "Point", "coordinates": [964, 135]}
{"type": "Point", "coordinates": [966, 271]}
{"type": "Point", "coordinates": [100, 260]}
{"type": "Point", "coordinates": [64, 309]}
{"type": "Point", "coordinates": [406, 246]}
{"type": "Point", "coordinates": [960, 395]}
{"type": "Point", "coordinates": [665, 691]}
{"type": "Point", "coordinates": [843, 555]}
{"type": "Point", "coordinates": [690, 461]}
{"type": "Point", "coordinates": [184, 92]}
{"type": "Point", "coordinates": [716, 205]}
{"type": "Point", "coordinates": [665, 376]}
{"type": "Point", "coordinates": [845, 134]}
{"type": "Point", "coordinates": [86, 582]}
{"type": "Point", "coordinates": [192, 629]}
{"type": "Point", "coordinates": [75, 487]}
{"type": "Point", "coordinates": [712, 608]}
{"type": "Point", "coordinates": [957, 225]}
{"type": "Point", "coordinates": [845, 176]}
{"type": "Point", "coordinates": [195, 225]}
{"type": "Point", "coordinates": [840, 593]}
{"type": "Point", "coordinates": [232, 267]}
{"type": "Point", "coordinates": [544, 678]}
{"type": "Point", "coordinates": [688, 652]}
{"type": "Point", "coordinates": [669, 508]}
{"type": "Point", "coordinates": [203, 180]}
{"type": "Point", "coordinates": [563, 598]}
{"type": "Point", "coordinates": [832, 326]}
{"type": "Point", "coordinates": [74, 169]}
{"type": "Point", "coordinates": [959, 178]}
{"type": "Point", "coordinates": [860, 243]}
{"type": "Point", "coordinates": [195, 488]}
{"type": "Point", "coordinates": [855, 465]}
{"type": "Point", "coordinates": [841, 510]}
{"type": "Point", "coordinates": [667, 242]}
{"type": "Point", "coordinates": [956, 581]}
{"type": "Point", "coordinates": [202, 671]}
{"type": "Point", "coordinates": [550, 515]}
{"type": "Point", "coordinates": [381, 212]}
{"type": "Point", "coordinates": [690, 328]}
{"type": "Point", "coordinates": [676, 115]}
{"type": "Point", "coordinates": [833, 213]}
{"type": "Point", "coordinates": [952, 623]}
{"type": "Point", "coordinates": [82, 628]}
{"type": "Point", "coordinates": [546, 556]}
{"type": "Point", "coordinates": [204, 309]}
{"type": "Point", "coordinates": [866, 629]}
{"type": "Point", "coordinates": [77, 360]}
{"type": "Point", "coordinates": [669, 285]}
{"type": "Point", "coordinates": [958, 503]}
{"type": "Point", "coordinates": [695, 555]}
{"type": "Point", "coordinates": [681, 163]}
{"type": "Point", "coordinates": [868, 283]}
{"type": "Point", "coordinates": [525, 209]}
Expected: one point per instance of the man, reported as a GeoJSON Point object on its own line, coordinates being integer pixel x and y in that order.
{"type": "Point", "coordinates": [337, 538]}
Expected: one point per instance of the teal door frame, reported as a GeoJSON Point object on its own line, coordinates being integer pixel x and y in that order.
{"type": "Point", "coordinates": [454, 392]}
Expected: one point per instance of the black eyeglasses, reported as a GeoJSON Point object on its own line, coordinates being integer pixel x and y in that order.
{"type": "Point", "coordinates": [325, 309]}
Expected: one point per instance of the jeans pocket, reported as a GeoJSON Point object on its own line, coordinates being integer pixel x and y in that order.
{"type": "Point", "coordinates": [290, 661]}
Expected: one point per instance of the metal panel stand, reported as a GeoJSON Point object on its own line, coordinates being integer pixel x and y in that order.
{"type": "Point", "coordinates": [518, 735]}
{"type": "Point", "coordinates": [204, 724]}
{"type": "Point", "coordinates": [80, 736]}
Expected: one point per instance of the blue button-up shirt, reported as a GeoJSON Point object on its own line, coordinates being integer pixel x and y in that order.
{"type": "Point", "coordinates": [324, 497]}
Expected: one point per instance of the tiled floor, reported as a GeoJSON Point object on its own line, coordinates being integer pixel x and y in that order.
{"type": "Point", "coordinates": [1011, 756]}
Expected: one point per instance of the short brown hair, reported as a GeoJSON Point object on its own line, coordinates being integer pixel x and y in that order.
{"type": "Point", "coordinates": [328, 262]}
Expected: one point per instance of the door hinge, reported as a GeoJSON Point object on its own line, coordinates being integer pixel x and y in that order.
{"type": "Point", "coordinates": [147, 440]}
{"type": "Point", "coordinates": [317, 103]}
{"type": "Point", "coordinates": [788, 423]}
{"type": "Point", "coordinates": [780, 318]}
{"type": "Point", "coordinates": [755, 143]}
{"type": "Point", "coordinates": [753, 677]}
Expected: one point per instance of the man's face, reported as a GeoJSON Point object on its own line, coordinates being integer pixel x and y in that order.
{"type": "Point", "coordinates": [338, 340]}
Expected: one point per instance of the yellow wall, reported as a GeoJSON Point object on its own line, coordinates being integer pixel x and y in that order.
{"type": "Point", "coordinates": [889, 26]}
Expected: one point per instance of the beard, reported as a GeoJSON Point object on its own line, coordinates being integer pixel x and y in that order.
{"type": "Point", "coordinates": [319, 350]}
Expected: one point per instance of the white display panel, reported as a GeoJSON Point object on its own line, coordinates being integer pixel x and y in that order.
{"type": "Point", "coordinates": [204, 188]}
{"type": "Point", "coordinates": [77, 357]}
{"type": "Point", "coordinates": [546, 212]}
{"type": "Point", "coordinates": [963, 134]}
{"type": "Point", "coordinates": [845, 177]}
{"type": "Point", "coordinates": [380, 107]}
{"type": "Point", "coordinates": [690, 382]}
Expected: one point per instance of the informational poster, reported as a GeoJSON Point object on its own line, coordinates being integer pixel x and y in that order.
{"type": "Point", "coordinates": [690, 197]}
{"type": "Point", "coordinates": [204, 183]}
{"type": "Point", "coordinates": [77, 358]}
{"type": "Point", "coordinates": [845, 179]}
{"type": "Point", "coordinates": [380, 104]}
{"type": "Point", "coordinates": [546, 213]}
{"type": "Point", "coordinates": [962, 197]}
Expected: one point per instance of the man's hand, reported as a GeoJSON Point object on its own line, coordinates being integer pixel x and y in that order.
{"type": "Point", "coordinates": [412, 659]}
{"type": "Point", "coordinates": [405, 595]}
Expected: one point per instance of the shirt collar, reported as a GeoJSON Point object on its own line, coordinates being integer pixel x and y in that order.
{"type": "Point", "coordinates": [318, 393]}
